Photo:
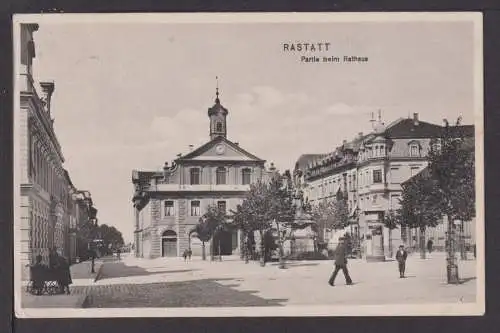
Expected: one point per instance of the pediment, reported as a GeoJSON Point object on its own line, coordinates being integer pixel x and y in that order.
{"type": "Point", "coordinates": [220, 149]}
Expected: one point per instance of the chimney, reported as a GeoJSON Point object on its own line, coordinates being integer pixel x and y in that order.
{"type": "Point", "coordinates": [360, 134]}
{"type": "Point", "coordinates": [165, 167]}
{"type": "Point", "coordinates": [344, 142]}
{"type": "Point", "coordinates": [415, 119]}
{"type": "Point", "coordinates": [191, 147]}
{"type": "Point", "coordinates": [48, 90]}
{"type": "Point", "coordinates": [237, 143]}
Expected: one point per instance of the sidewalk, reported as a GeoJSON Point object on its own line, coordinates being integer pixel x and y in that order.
{"type": "Point", "coordinates": [81, 275]}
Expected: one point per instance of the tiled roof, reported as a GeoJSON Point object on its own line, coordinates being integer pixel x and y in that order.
{"type": "Point", "coordinates": [304, 160]}
{"type": "Point", "coordinates": [408, 128]}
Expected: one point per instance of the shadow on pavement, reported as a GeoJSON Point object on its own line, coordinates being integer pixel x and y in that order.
{"type": "Point", "coordinates": [291, 264]}
{"type": "Point", "coordinates": [465, 280]}
{"type": "Point", "coordinates": [198, 293]}
{"type": "Point", "coordinates": [119, 269]}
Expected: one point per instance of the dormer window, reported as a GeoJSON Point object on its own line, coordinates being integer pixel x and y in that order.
{"type": "Point", "coordinates": [414, 147]}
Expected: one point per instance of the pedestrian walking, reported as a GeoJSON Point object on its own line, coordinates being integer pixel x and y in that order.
{"type": "Point", "coordinates": [430, 245]}
{"type": "Point", "coordinates": [185, 254]}
{"type": "Point", "coordinates": [340, 263]}
{"type": "Point", "coordinates": [118, 254]}
{"type": "Point", "coordinates": [190, 253]}
{"type": "Point", "coordinates": [401, 256]}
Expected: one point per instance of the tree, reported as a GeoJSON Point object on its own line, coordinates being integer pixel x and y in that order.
{"type": "Point", "coordinates": [242, 220]}
{"type": "Point", "coordinates": [217, 222]}
{"type": "Point", "coordinates": [203, 233]}
{"type": "Point", "coordinates": [420, 207]}
{"type": "Point", "coordinates": [391, 223]}
{"type": "Point", "coordinates": [331, 215]}
{"type": "Point", "coordinates": [452, 167]}
{"type": "Point", "coordinates": [255, 210]}
{"type": "Point", "coordinates": [323, 215]}
{"type": "Point", "coordinates": [110, 236]}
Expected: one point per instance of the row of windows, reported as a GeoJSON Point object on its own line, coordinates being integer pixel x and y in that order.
{"type": "Point", "coordinates": [376, 151]}
{"type": "Point", "coordinates": [221, 176]}
{"type": "Point", "coordinates": [43, 173]}
{"type": "Point", "coordinates": [195, 207]}
{"type": "Point", "coordinates": [365, 179]}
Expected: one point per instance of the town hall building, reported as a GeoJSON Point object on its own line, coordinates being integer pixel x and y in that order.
{"type": "Point", "coordinates": [168, 204]}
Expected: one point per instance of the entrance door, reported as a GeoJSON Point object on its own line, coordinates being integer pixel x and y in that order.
{"type": "Point", "coordinates": [169, 244]}
{"type": "Point", "coordinates": [224, 241]}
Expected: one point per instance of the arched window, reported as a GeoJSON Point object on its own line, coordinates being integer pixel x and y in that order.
{"type": "Point", "coordinates": [414, 147]}
{"type": "Point", "coordinates": [195, 176]}
{"type": "Point", "coordinates": [221, 176]}
{"type": "Point", "coordinates": [246, 176]}
{"type": "Point", "coordinates": [218, 126]}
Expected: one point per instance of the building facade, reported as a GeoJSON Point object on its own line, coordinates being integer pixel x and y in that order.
{"type": "Point", "coordinates": [46, 189]}
{"type": "Point", "coordinates": [369, 171]}
{"type": "Point", "coordinates": [169, 203]}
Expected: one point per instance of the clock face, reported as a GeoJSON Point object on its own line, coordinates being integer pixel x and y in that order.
{"type": "Point", "coordinates": [219, 149]}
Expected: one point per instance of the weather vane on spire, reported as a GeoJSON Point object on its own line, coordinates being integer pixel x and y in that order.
{"type": "Point", "coordinates": [217, 90]}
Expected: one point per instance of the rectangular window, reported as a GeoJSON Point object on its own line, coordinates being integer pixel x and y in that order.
{"type": "Point", "coordinates": [169, 208]}
{"type": "Point", "coordinates": [221, 205]}
{"type": "Point", "coordinates": [245, 176]}
{"type": "Point", "coordinates": [195, 208]}
{"type": "Point", "coordinates": [195, 176]}
{"type": "Point", "coordinates": [221, 176]}
{"type": "Point", "coordinates": [377, 176]}
{"type": "Point", "coordinates": [414, 171]}
{"type": "Point", "coordinates": [395, 201]}
{"type": "Point", "coordinates": [395, 178]}
{"type": "Point", "coordinates": [414, 150]}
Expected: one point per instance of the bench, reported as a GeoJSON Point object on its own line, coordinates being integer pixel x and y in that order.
{"type": "Point", "coordinates": [43, 280]}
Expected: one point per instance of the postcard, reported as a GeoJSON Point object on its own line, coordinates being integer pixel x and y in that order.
{"type": "Point", "coordinates": [263, 164]}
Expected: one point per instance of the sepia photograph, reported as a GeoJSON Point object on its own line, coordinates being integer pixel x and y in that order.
{"type": "Point", "coordinates": [264, 164]}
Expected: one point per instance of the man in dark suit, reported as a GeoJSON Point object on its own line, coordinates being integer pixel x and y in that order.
{"type": "Point", "coordinates": [340, 263]}
{"type": "Point", "coordinates": [401, 256]}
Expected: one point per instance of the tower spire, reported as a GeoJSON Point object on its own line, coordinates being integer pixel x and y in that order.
{"type": "Point", "coordinates": [217, 100]}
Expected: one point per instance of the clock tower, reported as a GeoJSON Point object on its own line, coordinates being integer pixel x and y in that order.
{"type": "Point", "coordinates": [217, 115]}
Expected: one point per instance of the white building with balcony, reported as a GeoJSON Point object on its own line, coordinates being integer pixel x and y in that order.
{"type": "Point", "coordinates": [169, 203]}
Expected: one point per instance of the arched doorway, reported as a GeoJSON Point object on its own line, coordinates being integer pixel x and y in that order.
{"type": "Point", "coordinates": [169, 244]}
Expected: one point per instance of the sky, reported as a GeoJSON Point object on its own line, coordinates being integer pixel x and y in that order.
{"type": "Point", "coordinates": [134, 95]}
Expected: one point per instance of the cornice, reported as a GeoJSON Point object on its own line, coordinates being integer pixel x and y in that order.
{"type": "Point", "coordinates": [35, 109]}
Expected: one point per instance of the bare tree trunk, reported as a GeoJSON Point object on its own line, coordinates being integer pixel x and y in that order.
{"type": "Point", "coordinates": [422, 242]}
{"type": "Point", "coordinates": [242, 245]}
{"type": "Point", "coordinates": [262, 249]}
{"type": "Point", "coordinates": [390, 243]}
{"type": "Point", "coordinates": [451, 260]}
{"type": "Point", "coordinates": [463, 253]}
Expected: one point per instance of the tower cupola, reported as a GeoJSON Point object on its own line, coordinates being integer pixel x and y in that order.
{"type": "Point", "coordinates": [217, 114]}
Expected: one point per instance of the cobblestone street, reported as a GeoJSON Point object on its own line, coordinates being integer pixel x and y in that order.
{"type": "Point", "coordinates": [171, 282]}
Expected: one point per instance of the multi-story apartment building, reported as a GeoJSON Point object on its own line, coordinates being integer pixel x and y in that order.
{"type": "Point", "coordinates": [169, 203]}
{"type": "Point", "coordinates": [369, 171]}
{"type": "Point", "coordinates": [46, 188]}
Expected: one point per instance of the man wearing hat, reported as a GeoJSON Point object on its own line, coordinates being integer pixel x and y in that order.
{"type": "Point", "coordinates": [401, 259]}
{"type": "Point", "coordinates": [340, 262]}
